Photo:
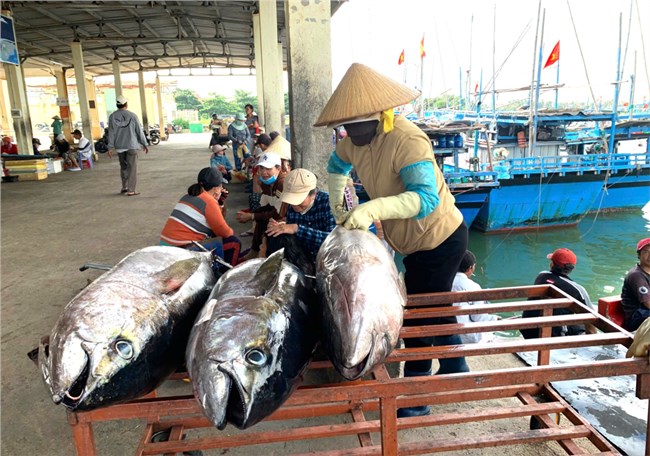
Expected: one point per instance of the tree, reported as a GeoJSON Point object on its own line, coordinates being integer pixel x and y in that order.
{"type": "Point", "coordinates": [218, 104]}
{"type": "Point", "coordinates": [242, 98]}
{"type": "Point", "coordinates": [187, 99]}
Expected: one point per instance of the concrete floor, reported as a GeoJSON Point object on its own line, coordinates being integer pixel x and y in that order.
{"type": "Point", "coordinates": [49, 229]}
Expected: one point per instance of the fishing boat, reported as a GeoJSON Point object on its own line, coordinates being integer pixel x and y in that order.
{"type": "Point", "coordinates": [565, 177]}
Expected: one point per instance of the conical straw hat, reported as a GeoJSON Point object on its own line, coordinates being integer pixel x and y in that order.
{"type": "Point", "coordinates": [281, 147]}
{"type": "Point", "coordinates": [361, 93]}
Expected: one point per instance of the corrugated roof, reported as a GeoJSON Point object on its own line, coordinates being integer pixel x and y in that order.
{"type": "Point", "coordinates": [146, 35]}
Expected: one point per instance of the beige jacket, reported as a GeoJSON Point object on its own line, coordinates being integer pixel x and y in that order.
{"type": "Point", "coordinates": [378, 165]}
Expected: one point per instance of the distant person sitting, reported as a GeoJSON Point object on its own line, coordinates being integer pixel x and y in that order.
{"type": "Point", "coordinates": [62, 148]}
{"type": "Point", "coordinates": [8, 147]}
{"type": "Point", "coordinates": [563, 262]}
{"type": "Point", "coordinates": [35, 145]}
{"type": "Point", "coordinates": [309, 216]}
{"type": "Point", "coordinates": [84, 147]}
{"type": "Point", "coordinates": [635, 295]}
{"type": "Point", "coordinates": [463, 282]}
{"type": "Point", "coordinates": [197, 217]}
{"type": "Point", "coordinates": [271, 184]}
{"type": "Point", "coordinates": [219, 160]}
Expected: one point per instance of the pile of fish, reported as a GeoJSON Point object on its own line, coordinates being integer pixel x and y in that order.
{"type": "Point", "coordinates": [246, 340]}
{"type": "Point", "coordinates": [118, 339]}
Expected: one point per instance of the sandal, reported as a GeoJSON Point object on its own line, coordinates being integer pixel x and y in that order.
{"type": "Point", "coordinates": [132, 193]}
{"type": "Point", "coordinates": [124, 190]}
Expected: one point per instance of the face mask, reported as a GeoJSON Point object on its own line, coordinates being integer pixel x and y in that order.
{"type": "Point", "coordinates": [268, 181]}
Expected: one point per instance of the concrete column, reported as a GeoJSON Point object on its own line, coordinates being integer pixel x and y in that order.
{"type": "Point", "coordinates": [5, 115]}
{"type": "Point", "coordinates": [117, 77]}
{"type": "Point", "coordinates": [82, 93]}
{"type": "Point", "coordinates": [257, 40]}
{"type": "Point", "coordinates": [310, 81]}
{"type": "Point", "coordinates": [63, 101]}
{"type": "Point", "coordinates": [271, 71]}
{"type": "Point", "coordinates": [161, 120]}
{"type": "Point", "coordinates": [281, 66]}
{"type": "Point", "coordinates": [19, 110]}
{"type": "Point", "coordinates": [143, 102]}
{"type": "Point", "coordinates": [95, 129]}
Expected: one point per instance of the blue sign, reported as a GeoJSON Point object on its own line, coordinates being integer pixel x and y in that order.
{"type": "Point", "coordinates": [8, 48]}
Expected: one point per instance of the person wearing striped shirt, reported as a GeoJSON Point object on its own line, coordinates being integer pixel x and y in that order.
{"type": "Point", "coordinates": [197, 217]}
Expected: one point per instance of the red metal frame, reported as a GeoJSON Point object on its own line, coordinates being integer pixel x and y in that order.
{"type": "Point", "coordinates": [384, 393]}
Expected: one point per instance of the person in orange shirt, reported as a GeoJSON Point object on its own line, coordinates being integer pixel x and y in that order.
{"type": "Point", "coordinates": [197, 217]}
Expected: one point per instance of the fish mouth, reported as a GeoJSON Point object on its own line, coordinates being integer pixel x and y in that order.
{"type": "Point", "coordinates": [236, 410]}
{"type": "Point", "coordinates": [72, 397]}
{"type": "Point", "coordinates": [359, 369]}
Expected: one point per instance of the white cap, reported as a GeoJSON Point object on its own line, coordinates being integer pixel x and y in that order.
{"type": "Point", "coordinates": [121, 100]}
{"type": "Point", "coordinates": [269, 160]}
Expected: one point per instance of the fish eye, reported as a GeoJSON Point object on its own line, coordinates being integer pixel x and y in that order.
{"type": "Point", "coordinates": [256, 357]}
{"type": "Point", "coordinates": [124, 349]}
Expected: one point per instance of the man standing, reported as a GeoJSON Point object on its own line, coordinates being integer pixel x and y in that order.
{"type": "Point", "coordinates": [57, 126]}
{"type": "Point", "coordinates": [125, 136]}
{"type": "Point", "coordinates": [635, 296]}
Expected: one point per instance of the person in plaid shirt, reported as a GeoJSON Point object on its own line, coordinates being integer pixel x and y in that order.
{"type": "Point", "coordinates": [309, 216]}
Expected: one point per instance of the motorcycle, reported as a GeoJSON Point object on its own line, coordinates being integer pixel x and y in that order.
{"type": "Point", "coordinates": [154, 136]}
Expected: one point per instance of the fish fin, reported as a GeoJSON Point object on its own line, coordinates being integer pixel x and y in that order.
{"type": "Point", "coordinates": [173, 277]}
{"type": "Point", "coordinates": [267, 274]}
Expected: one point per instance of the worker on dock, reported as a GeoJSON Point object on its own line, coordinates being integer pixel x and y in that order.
{"type": "Point", "coordinates": [408, 194]}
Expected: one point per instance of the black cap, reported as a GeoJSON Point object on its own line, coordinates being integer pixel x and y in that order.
{"type": "Point", "coordinates": [263, 139]}
{"type": "Point", "coordinates": [209, 178]}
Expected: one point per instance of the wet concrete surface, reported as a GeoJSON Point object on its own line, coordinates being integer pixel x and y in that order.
{"type": "Point", "coordinates": [50, 228]}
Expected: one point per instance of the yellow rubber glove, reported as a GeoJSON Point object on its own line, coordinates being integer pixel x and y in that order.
{"type": "Point", "coordinates": [402, 206]}
{"type": "Point", "coordinates": [336, 187]}
{"type": "Point", "coordinates": [641, 344]}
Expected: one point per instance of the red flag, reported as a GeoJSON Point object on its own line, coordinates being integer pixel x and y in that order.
{"type": "Point", "coordinates": [422, 53]}
{"type": "Point", "coordinates": [401, 58]}
{"type": "Point", "coordinates": [476, 88]}
{"type": "Point", "coordinates": [554, 57]}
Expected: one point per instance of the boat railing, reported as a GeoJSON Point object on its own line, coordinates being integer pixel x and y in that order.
{"type": "Point", "coordinates": [591, 163]}
{"type": "Point", "coordinates": [466, 179]}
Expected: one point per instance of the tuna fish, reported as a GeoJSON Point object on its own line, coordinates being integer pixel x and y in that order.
{"type": "Point", "coordinates": [121, 336]}
{"type": "Point", "coordinates": [363, 300]}
{"type": "Point", "coordinates": [252, 341]}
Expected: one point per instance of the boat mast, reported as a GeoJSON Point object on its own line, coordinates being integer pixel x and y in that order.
{"type": "Point", "coordinates": [494, 50]}
{"type": "Point", "coordinates": [617, 85]}
{"type": "Point", "coordinates": [532, 82]}
{"type": "Point", "coordinates": [533, 126]}
{"type": "Point", "coordinates": [632, 82]}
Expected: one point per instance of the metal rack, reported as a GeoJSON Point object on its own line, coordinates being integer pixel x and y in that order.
{"type": "Point", "coordinates": [372, 403]}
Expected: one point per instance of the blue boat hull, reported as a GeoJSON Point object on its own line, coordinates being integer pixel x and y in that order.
{"type": "Point", "coordinates": [471, 202]}
{"type": "Point", "coordinates": [524, 203]}
{"type": "Point", "coordinates": [624, 191]}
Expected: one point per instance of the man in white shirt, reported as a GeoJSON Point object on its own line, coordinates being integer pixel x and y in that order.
{"type": "Point", "coordinates": [463, 282]}
{"type": "Point", "coordinates": [84, 146]}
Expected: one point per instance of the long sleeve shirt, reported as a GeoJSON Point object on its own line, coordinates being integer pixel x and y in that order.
{"type": "Point", "coordinates": [217, 160]}
{"type": "Point", "coordinates": [194, 218]}
{"type": "Point", "coordinates": [125, 132]}
{"type": "Point", "coordinates": [315, 225]}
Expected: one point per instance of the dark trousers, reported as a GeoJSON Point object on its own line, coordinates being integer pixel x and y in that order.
{"type": "Point", "coordinates": [129, 169]}
{"type": "Point", "coordinates": [432, 271]}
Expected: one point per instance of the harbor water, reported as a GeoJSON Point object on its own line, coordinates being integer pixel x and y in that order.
{"type": "Point", "coordinates": [605, 245]}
